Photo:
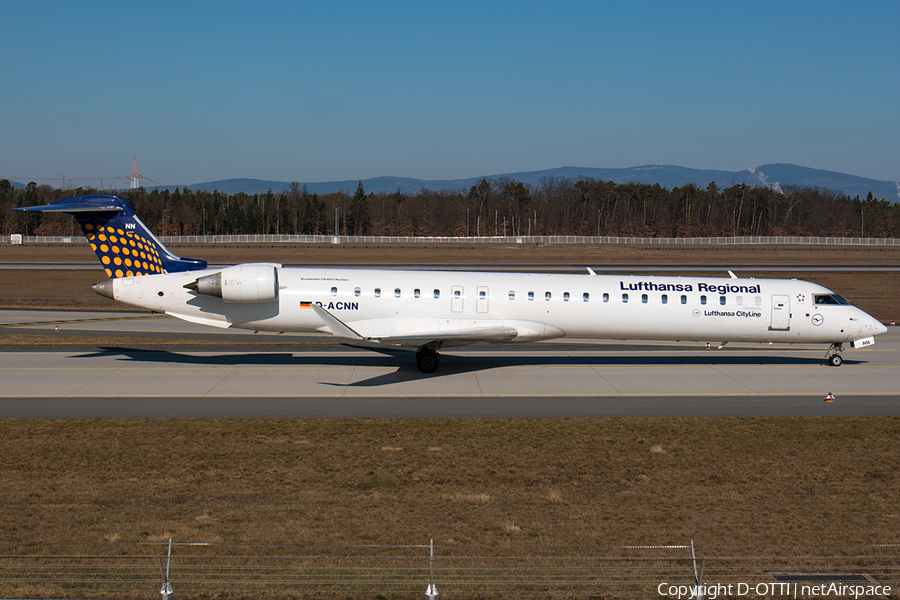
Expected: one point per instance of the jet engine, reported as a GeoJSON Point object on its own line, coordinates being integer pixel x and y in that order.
{"type": "Point", "coordinates": [242, 284]}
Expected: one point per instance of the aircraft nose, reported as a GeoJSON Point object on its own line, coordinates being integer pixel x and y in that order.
{"type": "Point", "coordinates": [880, 327]}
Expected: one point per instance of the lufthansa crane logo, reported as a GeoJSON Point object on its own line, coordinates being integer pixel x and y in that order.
{"type": "Point", "coordinates": [817, 319]}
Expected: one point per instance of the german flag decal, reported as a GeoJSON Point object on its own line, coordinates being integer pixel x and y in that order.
{"type": "Point", "coordinates": [305, 304]}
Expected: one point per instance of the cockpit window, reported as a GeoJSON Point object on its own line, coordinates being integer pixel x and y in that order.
{"type": "Point", "coordinates": [830, 299]}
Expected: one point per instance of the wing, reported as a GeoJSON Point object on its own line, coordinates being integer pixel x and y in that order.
{"type": "Point", "coordinates": [445, 338]}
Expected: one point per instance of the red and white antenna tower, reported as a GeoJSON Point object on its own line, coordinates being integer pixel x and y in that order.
{"type": "Point", "coordinates": [135, 176]}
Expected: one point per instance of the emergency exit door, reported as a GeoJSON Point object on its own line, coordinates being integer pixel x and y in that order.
{"type": "Point", "coordinates": [481, 299]}
{"type": "Point", "coordinates": [456, 298]}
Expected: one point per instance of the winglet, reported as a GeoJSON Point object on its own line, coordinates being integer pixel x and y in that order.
{"type": "Point", "coordinates": [337, 327]}
{"type": "Point", "coordinates": [591, 271]}
{"type": "Point", "coordinates": [733, 276]}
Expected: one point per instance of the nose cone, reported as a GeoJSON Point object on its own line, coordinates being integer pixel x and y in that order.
{"type": "Point", "coordinates": [880, 328]}
{"type": "Point", "coordinates": [105, 289]}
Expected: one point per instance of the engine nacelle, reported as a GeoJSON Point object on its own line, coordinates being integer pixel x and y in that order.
{"type": "Point", "coordinates": [242, 284]}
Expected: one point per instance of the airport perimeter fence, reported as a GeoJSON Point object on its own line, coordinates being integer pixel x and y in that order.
{"type": "Point", "coordinates": [545, 240]}
{"type": "Point", "coordinates": [126, 570]}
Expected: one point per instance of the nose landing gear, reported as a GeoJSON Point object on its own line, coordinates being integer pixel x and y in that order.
{"type": "Point", "coordinates": [833, 356]}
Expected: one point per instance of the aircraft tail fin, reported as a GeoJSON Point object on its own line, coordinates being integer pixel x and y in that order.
{"type": "Point", "coordinates": [124, 245]}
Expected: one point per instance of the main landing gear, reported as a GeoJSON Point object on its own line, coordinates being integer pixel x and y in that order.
{"type": "Point", "coordinates": [833, 356]}
{"type": "Point", "coordinates": [427, 360]}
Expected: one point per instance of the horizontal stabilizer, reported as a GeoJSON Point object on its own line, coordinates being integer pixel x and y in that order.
{"type": "Point", "coordinates": [63, 207]}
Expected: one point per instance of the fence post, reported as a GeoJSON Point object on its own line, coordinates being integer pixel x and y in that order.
{"type": "Point", "coordinates": [699, 593]}
{"type": "Point", "coordinates": [431, 592]}
{"type": "Point", "coordinates": [166, 593]}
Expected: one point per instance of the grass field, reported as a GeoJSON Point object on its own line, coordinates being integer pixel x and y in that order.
{"type": "Point", "coordinates": [577, 254]}
{"type": "Point", "coordinates": [480, 481]}
{"type": "Point", "coordinates": [518, 484]}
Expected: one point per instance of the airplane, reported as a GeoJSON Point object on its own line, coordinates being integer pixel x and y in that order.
{"type": "Point", "coordinates": [426, 311]}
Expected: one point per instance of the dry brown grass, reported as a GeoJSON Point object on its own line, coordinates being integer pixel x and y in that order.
{"type": "Point", "coordinates": [563, 481]}
{"type": "Point", "coordinates": [554, 497]}
{"type": "Point", "coordinates": [487, 254]}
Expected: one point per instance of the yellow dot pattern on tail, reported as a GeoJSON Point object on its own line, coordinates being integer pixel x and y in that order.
{"type": "Point", "coordinates": [123, 253]}
{"type": "Point", "coordinates": [122, 243]}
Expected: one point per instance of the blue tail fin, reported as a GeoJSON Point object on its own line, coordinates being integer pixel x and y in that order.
{"type": "Point", "coordinates": [121, 241]}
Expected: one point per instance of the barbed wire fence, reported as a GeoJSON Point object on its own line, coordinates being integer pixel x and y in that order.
{"type": "Point", "coordinates": [549, 240]}
{"type": "Point", "coordinates": [133, 570]}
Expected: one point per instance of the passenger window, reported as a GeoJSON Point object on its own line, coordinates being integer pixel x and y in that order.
{"type": "Point", "coordinates": [665, 298]}
{"type": "Point", "coordinates": [512, 294]}
{"type": "Point", "coordinates": [605, 297]}
{"type": "Point", "coordinates": [396, 292]}
{"type": "Point", "coordinates": [378, 292]}
{"type": "Point", "coordinates": [437, 294]}
{"type": "Point", "coordinates": [457, 293]}
{"type": "Point", "coordinates": [417, 292]}
{"type": "Point", "coordinates": [482, 294]}
{"type": "Point", "coordinates": [702, 299]}
{"type": "Point", "coordinates": [334, 291]}
{"type": "Point", "coordinates": [585, 296]}
{"type": "Point", "coordinates": [683, 299]}
{"type": "Point", "coordinates": [625, 298]}
{"type": "Point", "coordinates": [644, 298]}
{"type": "Point", "coordinates": [357, 292]}
{"type": "Point", "coordinates": [547, 296]}
{"type": "Point", "coordinates": [722, 300]}
{"type": "Point", "coordinates": [530, 296]}
{"type": "Point", "coordinates": [739, 300]}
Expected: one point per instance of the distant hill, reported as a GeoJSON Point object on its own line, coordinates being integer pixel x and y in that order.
{"type": "Point", "coordinates": [776, 175]}
{"type": "Point", "coordinates": [668, 176]}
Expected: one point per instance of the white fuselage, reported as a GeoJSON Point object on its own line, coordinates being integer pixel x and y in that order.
{"type": "Point", "coordinates": [382, 303]}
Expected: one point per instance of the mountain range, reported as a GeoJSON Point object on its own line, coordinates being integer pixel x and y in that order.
{"type": "Point", "coordinates": [775, 176]}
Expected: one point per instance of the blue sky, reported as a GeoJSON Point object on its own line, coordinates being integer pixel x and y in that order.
{"type": "Point", "coordinates": [323, 91]}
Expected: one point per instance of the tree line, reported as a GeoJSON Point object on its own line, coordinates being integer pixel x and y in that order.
{"type": "Point", "coordinates": [555, 206]}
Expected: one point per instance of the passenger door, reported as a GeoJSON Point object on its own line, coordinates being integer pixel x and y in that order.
{"type": "Point", "coordinates": [781, 313]}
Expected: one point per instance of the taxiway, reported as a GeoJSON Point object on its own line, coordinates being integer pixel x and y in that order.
{"type": "Point", "coordinates": [315, 376]}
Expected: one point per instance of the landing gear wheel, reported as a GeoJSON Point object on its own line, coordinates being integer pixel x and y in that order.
{"type": "Point", "coordinates": [427, 360]}
{"type": "Point", "coordinates": [833, 356]}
